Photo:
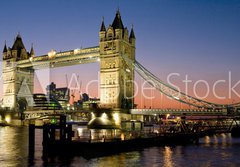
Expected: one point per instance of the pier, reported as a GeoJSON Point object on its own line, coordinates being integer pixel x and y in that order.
{"type": "Point", "coordinates": [60, 137]}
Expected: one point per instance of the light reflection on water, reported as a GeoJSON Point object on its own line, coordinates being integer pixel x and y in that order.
{"type": "Point", "coordinates": [13, 146]}
{"type": "Point", "coordinates": [168, 157]}
{"type": "Point", "coordinates": [217, 150]}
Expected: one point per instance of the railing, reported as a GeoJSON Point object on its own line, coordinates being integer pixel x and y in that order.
{"type": "Point", "coordinates": [37, 114]}
{"type": "Point", "coordinates": [177, 112]}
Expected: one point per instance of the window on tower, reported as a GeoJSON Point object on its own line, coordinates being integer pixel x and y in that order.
{"type": "Point", "coordinates": [8, 63]}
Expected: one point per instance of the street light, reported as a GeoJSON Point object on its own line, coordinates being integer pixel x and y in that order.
{"type": "Point", "coordinates": [168, 115]}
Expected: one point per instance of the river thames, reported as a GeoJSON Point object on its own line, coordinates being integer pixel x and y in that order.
{"type": "Point", "coordinates": [218, 150]}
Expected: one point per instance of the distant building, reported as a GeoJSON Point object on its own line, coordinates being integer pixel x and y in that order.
{"type": "Point", "coordinates": [91, 103]}
{"type": "Point", "coordinates": [86, 103]}
{"type": "Point", "coordinates": [60, 94]}
{"type": "Point", "coordinates": [43, 102]}
{"type": "Point", "coordinates": [84, 97]}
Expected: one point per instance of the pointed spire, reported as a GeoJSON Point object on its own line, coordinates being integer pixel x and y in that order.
{"type": "Point", "coordinates": [18, 43]}
{"type": "Point", "coordinates": [18, 35]}
{"type": "Point", "coordinates": [117, 23]}
{"type": "Point", "coordinates": [118, 12]}
{"type": "Point", "coordinates": [132, 35]}
{"type": "Point", "coordinates": [103, 28]}
{"type": "Point", "coordinates": [5, 47]}
{"type": "Point", "coordinates": [32, 53]}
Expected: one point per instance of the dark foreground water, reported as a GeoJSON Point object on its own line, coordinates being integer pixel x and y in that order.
{"type": "Point", "coordinates": [219, 150]}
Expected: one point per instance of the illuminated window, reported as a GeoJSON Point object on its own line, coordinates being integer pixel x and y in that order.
{"type": "Point", "coordinates": [110, 35]}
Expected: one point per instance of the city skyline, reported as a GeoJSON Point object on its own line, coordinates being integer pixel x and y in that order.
{"type": "Point", "coordinates": [199, 40]}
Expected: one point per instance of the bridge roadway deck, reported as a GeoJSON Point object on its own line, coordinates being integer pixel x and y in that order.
{"type": "Point", "coordinates": [176, 112]}
{"type": "Point", "coordinates": [60, 59]}
{"type": "Point", "coordinates": [41, 113]}
{"type": "Point", "coordinates": [179, 112]}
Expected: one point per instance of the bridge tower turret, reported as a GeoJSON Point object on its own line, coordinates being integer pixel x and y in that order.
{"type": "Point", "coordinates": [17, 83]}
{"type": "Point", "coordinates": [117, 79]}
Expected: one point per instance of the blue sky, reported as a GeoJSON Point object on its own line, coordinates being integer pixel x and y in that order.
{"type": "Point", "coordinates": [200, 38]}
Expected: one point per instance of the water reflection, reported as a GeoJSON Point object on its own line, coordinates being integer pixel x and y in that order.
{"type": "Point", "coordinates": [168, 157]}
{"type": "Point", "coordinates": [207, 140]}
{"type": "Point", "coordinates": [215, 139]}
{"type": "Point", "coordinates": [13, 146]}
{"type": "Point", "coordinates": [219, 140]}
{"type": "Point", "coordinates": [218, 150]}
{"type": "Point", "coordinates": [224, 140]}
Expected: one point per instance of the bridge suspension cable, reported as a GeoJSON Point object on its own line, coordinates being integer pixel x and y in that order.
{"type": "Point", "coordinates": [167, 89]}
{"type": "Point", "coordinates": [236, 104]}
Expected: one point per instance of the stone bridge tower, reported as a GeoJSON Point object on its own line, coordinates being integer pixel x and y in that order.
{"type": "Point", "coordinates": [17, 83]}
{"type": "Point", "coordinates": [117, 79]}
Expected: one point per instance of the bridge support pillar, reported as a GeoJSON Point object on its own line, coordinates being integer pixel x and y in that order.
{"type": "Point", "coordinates": [31, 141]}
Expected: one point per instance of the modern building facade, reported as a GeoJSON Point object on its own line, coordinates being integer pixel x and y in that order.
{"type": "Point", "coordinates": [44, 102]}
{"type": "Point", "coordinates": [62, 95]}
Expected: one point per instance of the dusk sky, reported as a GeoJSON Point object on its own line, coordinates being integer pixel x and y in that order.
{"type": "Point", "coordinates": [199, 38]}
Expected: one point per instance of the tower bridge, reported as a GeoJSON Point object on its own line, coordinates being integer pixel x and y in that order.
{"type": "Point", "coordinates": [19, 66]}
{"type": "Point", "coordinates": [116, 55]}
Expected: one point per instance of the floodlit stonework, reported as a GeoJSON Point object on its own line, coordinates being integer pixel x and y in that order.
{"type": "Point", "coordinates": [17, 82]}
{"type": "Point", "coordinates": [116, 86]}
